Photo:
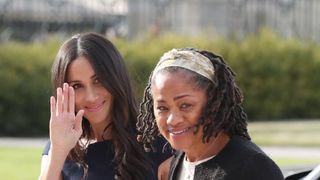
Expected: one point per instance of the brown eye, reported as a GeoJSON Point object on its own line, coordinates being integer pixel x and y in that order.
{"type": "Point", "coordinates": [161, 108]}
{"type": "Point", "coordinates": [76, 86]}
{"type": "Point", "coordinates": [96, 81]}
{"type": "Point", "coordinates": [185, 106]}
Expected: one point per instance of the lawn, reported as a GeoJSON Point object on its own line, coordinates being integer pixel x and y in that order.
{"type": "Point", "coordinates": [23, 163]}
{"type": "Point", "coordinates": [286, 133]}
{"type": "Point", "coordinates": [20, 163]}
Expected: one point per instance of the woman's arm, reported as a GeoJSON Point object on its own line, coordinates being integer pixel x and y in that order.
{"type": "Point", "coordinates": [65, 131]}
{"type": "Point", "coordinates": [51, 166]}
{"type": "Point", "coordinates": [163, 170]}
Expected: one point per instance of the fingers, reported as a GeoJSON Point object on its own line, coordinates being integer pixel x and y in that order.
{"type": "Point", "coordinates": [78, 121]}
{"type": "Point", "coordinates": [71, 99]}
{"type": "Point", "coordinates": [65, 97]}
{"type": "Point", "coordinates": [59, 101]}
{"type": "Point", "coordinates": [52, 106]}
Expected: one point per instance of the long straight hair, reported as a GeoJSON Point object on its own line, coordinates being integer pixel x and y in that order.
{"type": "Point", "coordinates": [110, 68]}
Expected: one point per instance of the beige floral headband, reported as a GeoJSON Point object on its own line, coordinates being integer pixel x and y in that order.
{"type": "Point", "coordinates": [187, 59]}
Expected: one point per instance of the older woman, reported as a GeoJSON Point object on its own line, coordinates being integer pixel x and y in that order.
{"type": "Point", "coordinates": [193, 101]}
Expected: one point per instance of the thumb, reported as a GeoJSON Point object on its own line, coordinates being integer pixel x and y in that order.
{"type": "Point", "coordinates": [78, 120]}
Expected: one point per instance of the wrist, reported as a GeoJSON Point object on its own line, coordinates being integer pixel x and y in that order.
{"type": "Point", "coordinates": [59, 151]}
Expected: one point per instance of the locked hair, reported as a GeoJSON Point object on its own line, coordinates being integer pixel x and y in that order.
{"type": "Point", "coordinates": [222, 112]}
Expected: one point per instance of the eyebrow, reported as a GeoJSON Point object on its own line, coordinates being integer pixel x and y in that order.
{"type": "Point", "coordinates": [77, 81]}
{"type": "Point", "coordinates": [180, 96]}
{"type": "Point", "coordinates": [175, 98]}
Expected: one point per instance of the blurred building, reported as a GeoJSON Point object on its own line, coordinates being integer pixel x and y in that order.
{"type": "Point", "coordinates": [31, 19]}
{"type": "Point", "coordinates": [231, 18]}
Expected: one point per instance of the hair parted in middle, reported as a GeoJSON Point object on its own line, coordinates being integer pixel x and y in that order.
{"type": "Point", "coordinates": [110, 68]}
{"type": "Point", "coordinates": [223, 110]}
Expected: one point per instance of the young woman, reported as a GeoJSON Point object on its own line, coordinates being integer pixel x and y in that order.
{"type": "Point", "coordinates": [93, 116]}
{"type": "Point", "coordinates": [193, 101]}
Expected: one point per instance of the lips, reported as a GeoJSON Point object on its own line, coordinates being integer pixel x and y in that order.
{"type": "Point", "coordinates": [95, 107]}
{"type": "Point", "coordinates": [178, 132]}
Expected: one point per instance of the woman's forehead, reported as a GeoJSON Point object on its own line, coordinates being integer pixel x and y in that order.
{"type": "Point", "coordinates": [171, 79]}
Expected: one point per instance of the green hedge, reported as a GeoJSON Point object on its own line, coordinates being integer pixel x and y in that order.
{"type": "Point", "coordinates": [279, 77]}
{"type": "Point", "coordinates": [25, 88]}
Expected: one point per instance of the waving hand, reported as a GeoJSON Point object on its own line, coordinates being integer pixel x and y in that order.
{"type": "Point", "coordinates": [65, 126]}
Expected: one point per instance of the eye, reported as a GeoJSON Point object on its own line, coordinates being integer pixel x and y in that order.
{"type": "Point", "coordinates": [96, 81]}
{"type": "Point", "coordinates": [76, 86]}
{"type": "Point", "coordinates": [185, 106]}
{"type": "Point", "coordinates": [161, 108]}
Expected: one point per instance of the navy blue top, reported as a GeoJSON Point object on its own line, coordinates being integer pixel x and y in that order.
{"type": "Point", "coordinates": [99, 158]}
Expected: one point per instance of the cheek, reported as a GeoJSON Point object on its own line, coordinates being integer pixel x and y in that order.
{"type": "Point", "coordinates": [78, 99]}
{"type": "Point", "coordinates": [161, 123]}
{"type": "Point", "coordinates": [195, 116]}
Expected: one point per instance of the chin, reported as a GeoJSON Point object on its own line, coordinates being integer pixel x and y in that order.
{"type": "Point", "coordinates": [178, 146]}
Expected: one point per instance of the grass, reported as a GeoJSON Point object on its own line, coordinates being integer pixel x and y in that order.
{"type": "Point", "coordinates": [20, 163]}
{"type": "Point", "coordinates": [286, 133]}
{"type": "Point", "coordinates": [301, 133]}
{"type": "Point", "coordinates": [287, 162]}
{"type": "Point", "coordinates": [23, 163]}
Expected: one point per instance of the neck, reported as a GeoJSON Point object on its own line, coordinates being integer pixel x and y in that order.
{"type": "Point", "coordinates": [101, 131]}
{"type": "Point", "coordinates": [213, 147]}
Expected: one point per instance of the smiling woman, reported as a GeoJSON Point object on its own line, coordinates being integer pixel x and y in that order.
{"type": "Point", "coordinates": [91, 96]}
{"type": "Point", "coordinates": [93, 116]}
{"type": "Point", "coordinates": [193, 101]}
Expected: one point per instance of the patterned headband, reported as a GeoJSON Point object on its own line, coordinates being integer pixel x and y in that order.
{"type": "Point", "coordinates": [187, 59]}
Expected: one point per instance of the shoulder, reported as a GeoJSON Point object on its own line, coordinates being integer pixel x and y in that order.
{"type": "Point", "coordinates": [163, 170]}
{"type": "Point", "coordinates": [240, 146]}
{"type": "Point", "coordinates": [243, 158]}
{"type": "Point", "coordinates": [257, 164]}
{"type": "Point", "coordinates": [262, 166]}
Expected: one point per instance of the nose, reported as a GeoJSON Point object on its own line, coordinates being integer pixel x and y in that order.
{"type": "Point", "coordinates": [91, 94]}
{"type": "Point", "coordinates": [174, 118]}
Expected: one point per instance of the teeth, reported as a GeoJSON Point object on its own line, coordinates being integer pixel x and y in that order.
{"type": "Point", "coordinates": [178, 132]}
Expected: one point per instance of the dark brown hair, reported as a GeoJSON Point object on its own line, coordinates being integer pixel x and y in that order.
{"type": "Point", "coordinates": [223, 110]}
{"type": "Point", "coordinates": [112, 73]}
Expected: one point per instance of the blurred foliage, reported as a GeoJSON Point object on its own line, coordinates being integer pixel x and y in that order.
{"type": "Point", "coordinates": [278, 77]}
{"type": "Point", "coordinates": [25, 87]}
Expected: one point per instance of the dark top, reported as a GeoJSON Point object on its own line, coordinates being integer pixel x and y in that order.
{"type": "Point", "coordinates": [99, 158]}
{"type": "Point", "coordinates": [240, 159]}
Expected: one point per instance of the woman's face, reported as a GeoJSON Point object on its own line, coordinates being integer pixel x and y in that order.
{"type": "Point", "coordinates": [90, 95]}
{"type": "Point", "coordinates": [177, 108]}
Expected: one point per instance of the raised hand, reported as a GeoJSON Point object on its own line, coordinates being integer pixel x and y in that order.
{"type": "Point", "coordinates": [65, 126]}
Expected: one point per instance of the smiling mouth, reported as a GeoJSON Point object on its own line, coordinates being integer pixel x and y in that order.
{"type": "Point", "coordinates": [179, 132]}
{"type": "Point", "coordinates": [95, 108]}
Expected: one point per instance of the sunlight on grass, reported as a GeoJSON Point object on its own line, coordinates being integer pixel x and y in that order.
{"type": "Point", "coordinates": [295, 161]}
{"type": "Point", "coordinates": [286, 133]}
{"type": "Point", "coordinates": [20, 163]}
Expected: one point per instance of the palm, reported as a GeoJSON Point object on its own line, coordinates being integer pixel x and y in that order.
{"type": "Point", "coordinates": [65, 126]}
